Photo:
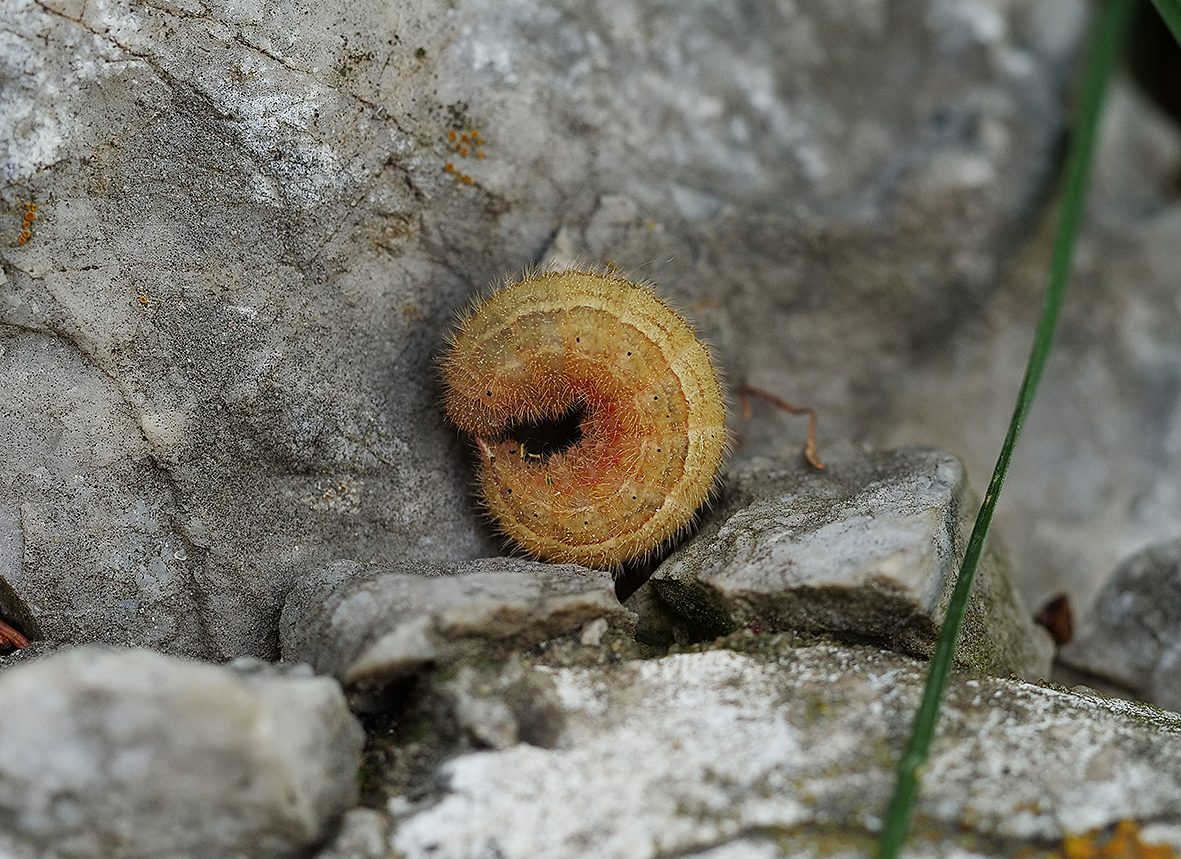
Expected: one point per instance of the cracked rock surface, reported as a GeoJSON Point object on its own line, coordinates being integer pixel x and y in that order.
{"type": "Point", "coordinates": [793, 750]}
{"type": "Point", "coordinates": [254, 222]}
{"type": "Point", "coordinates": [867, 548]}
{"type": "Point", "coordinates": [131, 753]}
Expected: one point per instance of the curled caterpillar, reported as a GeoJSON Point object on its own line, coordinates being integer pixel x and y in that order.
{"type": "Point", "coordinates": [632, 392]}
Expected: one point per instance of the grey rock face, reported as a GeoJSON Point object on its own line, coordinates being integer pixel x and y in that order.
{"type": "Point", "coordinates": [1132, 635]}
{"type": "Point", "coordinates": [797, 743]}
{"type": "Point", "coordinates": [248, 243]}
{"type": "Point", "coordinates": [92, 540]}
{"type": "Point", "coordinates": [372, 625]}
{"type": "Point", "coordinates": [867, 548]}
{"type": "Point", "coordinates": [1096, 476]}
{"type": "Point", "coordinates": [136, 754]}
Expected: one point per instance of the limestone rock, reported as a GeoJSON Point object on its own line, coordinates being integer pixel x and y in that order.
{"type": "Point", "coordinates": [867, 549]}
{"type": "Point", "coordinates": [1132, 635]}
{"type": "Point", "coordinates": [136, 754]}
{"type": "Point", "coordinates": [372, 625]}
{"type": "Point", "coordinates": [254, 225]}
{"type": "Point", "coordinates": [700, 754]}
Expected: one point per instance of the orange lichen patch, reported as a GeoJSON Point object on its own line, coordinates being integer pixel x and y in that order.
{"type": "Point", "coordinates": [462, 177]}
{"type": "Point", "coordinates": [27, 219]}
{"type": "Point", "coordinates": [333, 492]}
{"type": "Point", "coordinates": [143, 300]}
{"type": "Point", "coordinates": [1123, 843]}
{"type": "Point", "coordinates": [636, 391]}
{"type": "Point", "coordinates": [465, 143]}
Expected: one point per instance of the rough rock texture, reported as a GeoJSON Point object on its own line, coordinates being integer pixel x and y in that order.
{"type": "Point", "coordinates": [135, 754]}
{"type": "Point", "coordinates": [1132, 636]}
{"type": "Point", "coordinates": [34, 651]}
{"type": "Point", "coordinates": [867, 548]}
{"type": "Point", "coordinates": [795, 748]}
{"type": "Point", "coordinates": [89, 546]}
{"type": "Point", "coordinates": [372, 625]}
{"type": "Point", "coordinates": [255, 221]}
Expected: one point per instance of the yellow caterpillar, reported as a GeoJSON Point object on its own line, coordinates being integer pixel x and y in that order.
{"type": "Point", "coordinates": [651, 415]}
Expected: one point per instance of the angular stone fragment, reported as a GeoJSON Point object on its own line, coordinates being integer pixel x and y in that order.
{"type": "Point", "coordinates": [1132, 635]}
{"type": "Point", "coordinates": [130, 753]}
{"type": "Point", "coordinates": [370, 625]}
{"type": "Point", "coordinates": [867, 549]}
{"type": "Point", "coordinates": [695, 753]}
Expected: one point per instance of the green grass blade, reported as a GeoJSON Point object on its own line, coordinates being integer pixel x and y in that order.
{"type": "Point", "coordinates": [1108, 37]}
{"type": "Point", "coordinates": [1170, 11]}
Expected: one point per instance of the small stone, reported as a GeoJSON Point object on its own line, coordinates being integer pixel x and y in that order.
{"type": "Point", "coordinates": [1132, 635]}
{"type": "Point", "coordinates": [362, 835]}
{"type": "Point", "coordinates": [485, 716]}
{"type": "Point", "coordinates": [500, 704]}
{"type": "Point", "coordinates": [136, 754]}
{"type": "Point", "coordinates": [592, 634]}
{"type": "Point", "coordinates": [867, 549]}
{"type": "Point", "coordinates": [369, 625]}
